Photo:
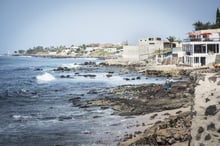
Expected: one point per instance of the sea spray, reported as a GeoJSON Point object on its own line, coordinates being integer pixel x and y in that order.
{"type": "Point", "coordinates": [46, 77]}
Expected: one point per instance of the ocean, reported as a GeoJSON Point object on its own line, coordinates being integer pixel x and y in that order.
{"type": "Point", "coordinates": [35, 108]}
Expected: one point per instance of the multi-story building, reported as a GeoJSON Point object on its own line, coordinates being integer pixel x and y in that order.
{"type": "Point", "coordinates": [146, 48]}
{"type": "Point", "coordinates": [201, 47]}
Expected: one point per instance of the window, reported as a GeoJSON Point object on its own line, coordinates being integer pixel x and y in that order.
{"type": "Point", "coordinates": [213, 48]}
{"type": "Point", "coordinates": [196, 60]}
{"type": "Point", "coordinates": [199, 49]}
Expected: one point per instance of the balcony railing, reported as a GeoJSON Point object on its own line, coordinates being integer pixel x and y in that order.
{"type": "Point", "coordinates": [202, 40]}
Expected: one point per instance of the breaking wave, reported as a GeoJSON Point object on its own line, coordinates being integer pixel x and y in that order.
{"type": "Point", "coordinates": [46, 77]}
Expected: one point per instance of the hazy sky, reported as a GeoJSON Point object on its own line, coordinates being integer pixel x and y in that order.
{"type": "Point", "coordinates": [28, 23]}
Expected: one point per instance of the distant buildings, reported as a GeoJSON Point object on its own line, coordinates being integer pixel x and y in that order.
{"type": "Point", "coordinates": [201, 47]}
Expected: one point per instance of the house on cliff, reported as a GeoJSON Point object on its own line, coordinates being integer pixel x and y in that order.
{"type": "Point", "coordinates": [201, 47]}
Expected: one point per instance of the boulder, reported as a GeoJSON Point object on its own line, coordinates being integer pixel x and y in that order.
{"type": "Point", "coordinates": [211, 110]}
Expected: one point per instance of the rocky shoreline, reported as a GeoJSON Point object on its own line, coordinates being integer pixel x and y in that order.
{"type": "Point", "coordinates": [128, 100]}
{"type": "Point", "coordinates": [140, 100]}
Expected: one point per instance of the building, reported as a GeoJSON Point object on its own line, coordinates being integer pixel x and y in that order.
{"type": "Point", "coordinates": [146, 49]}
{"type": "Point", "coordinates": [201, 47]}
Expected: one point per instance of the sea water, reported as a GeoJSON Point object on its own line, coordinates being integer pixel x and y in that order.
{"type": "Point", "coordinates": [34, 106]}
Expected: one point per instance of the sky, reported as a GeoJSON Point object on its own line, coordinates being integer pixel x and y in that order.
{"type": "Point", "coordinates": [28, 23]}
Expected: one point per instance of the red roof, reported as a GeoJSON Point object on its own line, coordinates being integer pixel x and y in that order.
{"type": "Point", "coordinates": [206, 33]}
{"type": "Point", "coordinates": [193, 33]}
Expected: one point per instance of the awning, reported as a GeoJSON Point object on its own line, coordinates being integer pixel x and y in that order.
{"type": "Point", "coordinates": [193, 33]}
{"type": "Point", "coordinates": [206, 33]}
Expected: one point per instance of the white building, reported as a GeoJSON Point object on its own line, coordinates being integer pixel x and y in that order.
{"type": "Point", "coordinates": [145, 49]}
{"type": "Point", "coordinates": [201, 47]}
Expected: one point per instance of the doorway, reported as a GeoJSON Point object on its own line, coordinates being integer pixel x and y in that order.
{"type": "Point", "coordinates": [203, 61]}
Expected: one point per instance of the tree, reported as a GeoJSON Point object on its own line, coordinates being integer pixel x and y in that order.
{"type": "Point", "coordinates": [171, 39]}
{"type": "Point", "coordinates": [198, 25]}
{"type": "Point", "coordinates": [217, 16]}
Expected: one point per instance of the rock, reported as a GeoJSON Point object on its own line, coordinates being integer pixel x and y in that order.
{"type": "Point", "coordinates": [171, 141]}
{"type": "Point", "coordinates": [62, 69]}
{"type": "Point", "coordinates": [75, 101]}
{"type": "Point", "coordinates": [89, 63]}
{"type": "Point", "coordinates": [137, 132]}
{"type": "Point", "coordinates": [138, 78]}
{"type": "Point", "coordinates": [89, 75]}
{"type": "Point", "coordinates": [178, 112]}
{"type": "Point", "coordinates": [211, 127]}
{"type": "Point", "coordinates": [93, 91]}
{"type": "Point", "coordinates": [109, 75]}
{"type": "Point", "coordinates": [127, 79]}
{"type": "Point", "coordinates": [201, 129]}
{"type": "Point", "coordinates": [38, 69]}
{"type": "Point", "coordinates": [153, 116]}
{"type": "Point", "coordinates": [208, 137]}
{"type": "Point", "coordinates": [176, 136]}
{"type": "Point", "coordinates": [201, 144]}
{"type": "Point", "coordinates": [207, 100]}
{"type": "Point", "coordinates": [211, 110]}
{"type": "Point", "coordinates": [61, 118]}
{"type": "Point", "coordinates": [198, 136]}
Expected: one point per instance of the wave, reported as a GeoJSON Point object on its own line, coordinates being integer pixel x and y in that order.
{"type": "Point", "coordinates": [71, 65]}
{"type": "Point", "coordinates": [21, 117]}
{"type": "Point", "coordinates": [46, 77]}
{"type": "Point", "coordinates": [25, 56]}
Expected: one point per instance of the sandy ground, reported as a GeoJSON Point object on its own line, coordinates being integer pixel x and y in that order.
{"type": "Point", "coordinates": [206, 93]}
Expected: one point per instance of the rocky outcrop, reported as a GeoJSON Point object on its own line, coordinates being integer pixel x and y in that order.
{"type": "Point", "coordinates": [172, 130]}
{"type": "Point", "coordinates": [141, 99]}
{"type": "Point", "coordinates": [205, 124]}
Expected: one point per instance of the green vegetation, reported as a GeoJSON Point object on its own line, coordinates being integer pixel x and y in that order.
{"type": "Point", "coordinates": [100, 53]}
{"type": "Point", "coordinates": [201, 26]}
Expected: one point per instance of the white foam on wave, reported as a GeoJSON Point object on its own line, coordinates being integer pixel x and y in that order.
{"type": "Point", "coordinates": [71, 65]}
{"type": "Point", "coordinates": [21, 117]}
{"type": "Point", "coordinates": [46, 77]}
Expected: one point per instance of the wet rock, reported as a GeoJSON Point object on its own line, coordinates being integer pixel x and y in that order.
{"type": "Point", "coordinates": [88, 75]}
{"type": "Point", "coordinates": [138, 78]}
{"type": "Point", "coordinates": [75, 101]}
{"type": "Point", "coordinates": [62, 118]}
{"type": "Point", "coordinates": [86, 132]}
{"type": "Point", "coordinates": [211, 110]}
{"type": "Point", "coordinates": [109, 75]}
{"type": "Point", "coordinates": [93, 91]}
{"type": "Point", "coordinates": [89, 63]}
{"type": "Point", "coordinates": [38, 69]}
{"type": "Point", "coordinates": [62, 69]}
{"type": "Point", "coordinates": [95, 117]}
{"type": "Point", "coordinates": [127, 79]}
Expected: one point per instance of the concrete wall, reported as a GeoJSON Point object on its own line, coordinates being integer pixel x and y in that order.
{"type": "Point", "coordinates": [131, 53]}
